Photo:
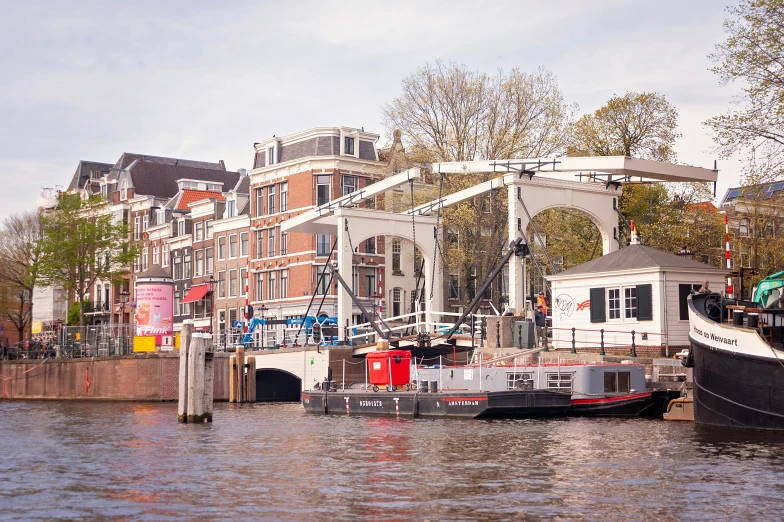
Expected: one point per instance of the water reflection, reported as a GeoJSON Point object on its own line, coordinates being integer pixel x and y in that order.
{"type": "Point", "coordinates": [272, 461]}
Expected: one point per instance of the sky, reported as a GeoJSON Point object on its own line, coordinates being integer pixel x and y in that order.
{"type": "Point", "coordinates": [205, 80]}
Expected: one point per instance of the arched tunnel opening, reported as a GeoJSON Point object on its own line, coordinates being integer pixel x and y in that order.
{"type": "Point", "coordinates": [277, 386]}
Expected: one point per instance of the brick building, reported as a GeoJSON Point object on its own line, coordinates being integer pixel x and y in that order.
{"type": "Point", "coordinates": [293, 174]}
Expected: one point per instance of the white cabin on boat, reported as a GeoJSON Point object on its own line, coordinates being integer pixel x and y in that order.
{"type": "Point", "coordinates": [636, 288]}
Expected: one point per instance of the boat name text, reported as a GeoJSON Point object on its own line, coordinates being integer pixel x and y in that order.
{"type": "Point", "coordinates": [715, 338]}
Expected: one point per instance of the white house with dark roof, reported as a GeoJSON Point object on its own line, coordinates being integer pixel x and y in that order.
{"type": "Point", "coordinates": [636, 288]}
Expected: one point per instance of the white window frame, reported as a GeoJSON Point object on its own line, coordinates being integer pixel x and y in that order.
{"type": "Point", "coordinates": [233, 274]}
{"type": "Point", "coordinates": [165, 255]}
{"type": "Point", "coordinates": [137, 228]}
{"type": "Point", "coordinates": [243, 278]}
{"type": "Point", "coordinates": [284, 197]}
{"type": "Point", "coordinates": [283, 287]}
{"type": "Point", "coordinates": [244, 244]}
{"type": "Point", "coordinates": [198, 231]}
{"type": "Point", "coordinates": [222, 252]}
{"type": "Point", "coordinates": [236, 244]}
{"type": "Point", "coordinates": [614, 304]}
{"type": "Point", "coordinates": [631, 304]}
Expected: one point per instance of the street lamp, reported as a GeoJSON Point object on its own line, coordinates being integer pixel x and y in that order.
{"type": "Point", "coordinates": [211, 282]}
{"type": "Point", "coordinates": [124, 295]}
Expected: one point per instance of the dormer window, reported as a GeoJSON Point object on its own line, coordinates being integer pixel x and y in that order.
{"type": "Point", "coordinates": [161, 217]}
{"type": "Point", "coordinates": [271, 155]}
{"type": "Point", "coordinates": [348, 146]}
{"type": "Point", "coordinates": [231, 208]}
{"type": "Point", "coordinates": [181, 227]}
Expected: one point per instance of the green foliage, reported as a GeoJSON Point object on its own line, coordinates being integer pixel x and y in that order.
{"type": "Point", "coordinates": [753, 56]}
{"type": "Point", "coordinates": [74, 313]}
{"type": "Point", "coordinates": [83, 243]}
{"type": "Point", "coordinates": [640, 125]}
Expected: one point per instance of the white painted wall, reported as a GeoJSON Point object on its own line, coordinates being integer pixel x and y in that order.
{"type": "Point", "coordinates": [571, 309]}
{"type": "Point", "coordinates": [310, 366]}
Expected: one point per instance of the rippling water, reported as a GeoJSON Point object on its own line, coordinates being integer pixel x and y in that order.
{"type": "Point", "coordinates": [82, 460]}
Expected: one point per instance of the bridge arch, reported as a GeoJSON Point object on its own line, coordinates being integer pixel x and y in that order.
{"type": "Point", "coordinates": [275, 385]}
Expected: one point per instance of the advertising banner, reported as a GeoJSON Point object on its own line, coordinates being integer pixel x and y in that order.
{"type": "Point", "coordinates": [155, 310]}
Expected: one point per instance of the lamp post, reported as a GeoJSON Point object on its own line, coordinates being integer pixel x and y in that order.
{"type": "Point", "coordinates": [124, 296]}
{"type": "Point", "coordinates": [211, 282]}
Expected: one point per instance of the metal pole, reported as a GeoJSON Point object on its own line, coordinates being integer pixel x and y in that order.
{"type": "Point", "coordinates": [344, 374]}
{"type": "Point", "coordinates": [634, 347]}
{"type": "Point", "coordinates": [366, 373]}
{"type": "Point", "coordinates": [574, 348]}
{"type": "Point", "coordinates": [601, 349]}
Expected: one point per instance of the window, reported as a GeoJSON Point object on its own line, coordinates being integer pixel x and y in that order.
{"type": "Point", "coordinates": [284, 284]}
{"type": "Point", "coordinates": [559, 381]}
{"type": "Point", "coordinates": [243, 281]}
{"type": "Point", "coordinates": [322, 280]}
{"type": "Point", "coordinates": [232, 317]}
{"type": "Point", "coordinates": [198, 309]}
{"type": "Point", "coordinates": [396, 255]}
{"type": "Point", "coordinates": [198, 231]}
{"type": "Point", "coordinates": [156, 258]}
{"type": "Point", "coordinates": [216, 187]}
{"type": "Point", "coordinates": [454, 286]}
{"type": "Point", "coordinates": [145, 258]}
{"type": "Point", "coordinates": [614, 303]}
{"type": "Point", "coordinates": [209, 261]}
{"type": "Point", "coordinates": [322, 245]}
{"type": "Point", "coordinates": [222, 247]}
{"type": "Point", "coordinates": [177, 297]}
{"type": "Point", "coordinates": [271, 199]}
{"type": "Point", "coordinates": [260, 201]}
{"type": "Point", "coordinates": [232, 283]}
{"type": "Point", "coordinates": [284, 243]}
{"type": "Point", "coordinates": [185, 308]}
{"type": "Point", "coordinates": [683, 292]}
{"type": "Point", "coordinates": [177, 268]}
{"type": "Point", "coordinates": [181, 227]}
{"type": "Point", "coordinates": [370, 277]}
{"type": "Point", "coordinates": [146, 222]}
{"type": "Point", "coordinates": [222, 320]}
{"type": "Point", "coordinates": [617, 382]}
{"type": "Point", "coordinates": [284, 197]}
{"type": "Point", "coordinates": [271, 286]}
{"type": "Point", "coordinates": [259, 244]}
{"type": "Point", "coordinates": [231, 208]}
{"type": "Point", "coordinates": [396, 300]}
{"type": "Point", "coordinates": [322, 190]}
{"type": "Point", "coordinates": [233, 246]}
{"type": "Point", "coordinates": [348, 146]}
{"type": "Point", "coordinates": [221, 284]}
{"type": "Point", "coordinates": [370, 245]}
{"type": "Point", "coordinates": [165, 255]}
{"type": "Point", "coordinates": [271, 242]}
{"type": "Point", "coordinates": [209, 229]}
{"type": "Point", "coordinates": [349, 184]}
{"type": "Point", "coordinates": [630, 302]}
{"type": "Point", "coordinates": [355, 280]}
{"type": "Point", "coordinates": [743, 228]}
{"type": "Point", "coordinates": [198, 268]}
{"type": "Point", "coordinates": [259, 286]}
{"type": "Point", "coordinates": [244, 244]}
{"type": "Point", "coordinates": [512, 378]}
{"type": "Point", "coordinates": [417, 261]}
{"type": "Point", "coordinates": [160, 217]}
{"type": "Point", "coordinates": [137, 228]}
{"type": "Point", "coordinates": [271, 155]}
{"type": "Point", "coordinates": [187, 267]}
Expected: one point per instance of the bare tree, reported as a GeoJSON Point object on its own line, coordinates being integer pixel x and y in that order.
{"type": "Point", "coordinates": [20, 255]}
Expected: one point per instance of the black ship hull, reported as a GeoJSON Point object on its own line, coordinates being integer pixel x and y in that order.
{"type": "Point", "coordinates": [466, 404]}
{"type": "Point", "coordinates": [648, 404]}
{"type": "Point", "coordinates": [737, 390]}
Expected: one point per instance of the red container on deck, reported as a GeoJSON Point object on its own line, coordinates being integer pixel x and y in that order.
{"type": "Point", "coordinates": [391, 367]}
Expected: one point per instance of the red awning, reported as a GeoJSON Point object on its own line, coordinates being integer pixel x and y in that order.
{"type": "Point", "coordinates": [196, 293]}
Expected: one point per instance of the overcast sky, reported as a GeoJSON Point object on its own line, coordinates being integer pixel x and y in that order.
{"type": "Point", "coordinates": [204, 81]}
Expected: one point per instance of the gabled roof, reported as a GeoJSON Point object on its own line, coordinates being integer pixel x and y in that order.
{"type": "Point", "coordinates": [706, 206]}
{"type": "Point", "coordinates": [188, 196]}
{"type": "Point", "coordinates": [84, 170]}
{"type": "Point", "coordinates": [634, 257]}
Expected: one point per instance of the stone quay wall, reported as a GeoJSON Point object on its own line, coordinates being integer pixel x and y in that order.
{"type": "Point", "coordinates": [147, 377]}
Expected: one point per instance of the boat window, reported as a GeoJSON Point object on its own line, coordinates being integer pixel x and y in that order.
{"type": "Point", "coordinates": [559, 381]}
{"type": "Point", "coordinates": [512, 378]}
{"type": "Point", "coordinates": [617, 382]}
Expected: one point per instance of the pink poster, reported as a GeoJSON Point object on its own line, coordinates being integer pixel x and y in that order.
{"type": "Point", "coordinates": [154, 310]}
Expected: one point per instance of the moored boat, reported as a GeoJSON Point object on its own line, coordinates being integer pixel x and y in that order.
{"type": "Point", "coordinates": [738, 362]}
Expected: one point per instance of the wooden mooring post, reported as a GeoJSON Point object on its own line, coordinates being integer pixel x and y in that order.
{"type": "Point", "coordinates": [242, 377]}
{"type": "Point", "coordinates": [196, 376]}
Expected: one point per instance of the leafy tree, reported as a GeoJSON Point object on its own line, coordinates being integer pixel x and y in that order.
{"type": "Point", "coordinates": [753, 56]}
{"type": "Point", "coordinates": [20, 257]}
{"type": "Point", "coordinates": [447, 112]}
{"type": "Point", "coordinates": [640, 125]}
{"type": "Point", "coordinates": [82, 243]}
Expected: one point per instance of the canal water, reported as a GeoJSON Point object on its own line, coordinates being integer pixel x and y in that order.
{"type": "Point", "coordinates": [81, 460]}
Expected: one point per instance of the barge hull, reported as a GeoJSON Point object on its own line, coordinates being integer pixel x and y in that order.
{"type": "Point", "coordinates": [649, 404]}
{"type": "Point", "coordinates": [511, 404]}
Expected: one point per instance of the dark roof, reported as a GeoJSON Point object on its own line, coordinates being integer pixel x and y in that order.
{"type": "Point", "coordinates": [84, 170]}
{"type": "Point", "coordinates": [634, 257]}
{"type": "Point", "coordinates": [155, 271]}
{"type": "Point", "coordinates": [157, 176]}
{"type": "Point", "coordinates": [769, 190]}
